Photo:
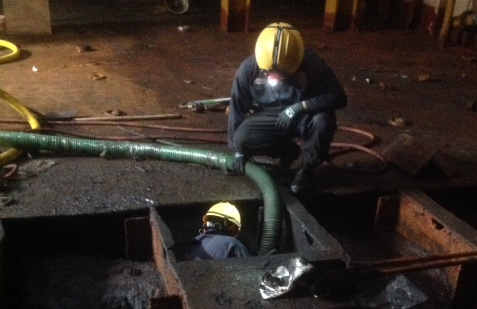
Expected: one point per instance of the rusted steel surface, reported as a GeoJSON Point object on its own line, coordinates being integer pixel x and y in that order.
{"type": "Point", "coordinates": [308, 234]}
{"type": "Point", "coordinates": [164, 261]}
{"type": "Point", "coordinates": [437, 231]}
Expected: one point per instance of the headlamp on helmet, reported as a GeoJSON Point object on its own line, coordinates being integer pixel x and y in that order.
{"type": "Point", "coordinates": [274, 79]}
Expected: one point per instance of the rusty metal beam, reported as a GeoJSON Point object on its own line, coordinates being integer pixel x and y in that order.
{"type": "Point", "coordinates": [412, 260]}
{"type": "Point", "coordinates": [419, 219]}
{"type": "Point", "coordinates": [339, 14]}
{"type": "Point", "coordinates": [161, 243]}
{"type": "Point", "coordinates": [234, 15]}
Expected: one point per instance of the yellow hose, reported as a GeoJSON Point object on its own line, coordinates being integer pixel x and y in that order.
{"type": "Point", "coordinates": [14, 54]}
{"type": "Point", "coordinates": [12, 154]}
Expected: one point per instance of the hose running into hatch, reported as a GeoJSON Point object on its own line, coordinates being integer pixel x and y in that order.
{"type": "Point", "coordinates": [272, 203]}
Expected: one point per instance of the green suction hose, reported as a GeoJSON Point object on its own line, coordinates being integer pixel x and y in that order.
{"type": "Point", "coordinates": [272, 203]}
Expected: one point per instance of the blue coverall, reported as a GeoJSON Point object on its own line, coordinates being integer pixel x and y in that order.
{"type": "Point", "coordinates": [255, 106]}
{"type": "Point", "coordinates": [213, 245]}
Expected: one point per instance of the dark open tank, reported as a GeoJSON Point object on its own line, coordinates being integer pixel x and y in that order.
{"type": "Point", "coordinates": [133, 259]}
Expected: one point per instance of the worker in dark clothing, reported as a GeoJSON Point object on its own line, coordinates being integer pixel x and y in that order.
{"type": "Point", "coordinates": [281, 93]}
{"type": "Point", "coordinates": [218, 238]}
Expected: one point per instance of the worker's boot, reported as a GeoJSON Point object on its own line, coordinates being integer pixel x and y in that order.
{"type": "Point", "coordinates": [302, 182]}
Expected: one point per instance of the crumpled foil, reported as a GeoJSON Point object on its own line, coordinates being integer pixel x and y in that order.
{"type": "Point", "coordinates": [284, 279]}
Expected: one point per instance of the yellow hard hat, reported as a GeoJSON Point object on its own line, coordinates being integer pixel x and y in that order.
{"type": "Point", "coordinates": [226, 211]}
{"type": "Point", "coordinates": [279, 47]}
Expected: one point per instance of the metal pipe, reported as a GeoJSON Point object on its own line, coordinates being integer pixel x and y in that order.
{"type": "Point", "coordinates": [413, 260]}
{"type": "Point", "coordinates": [345, 280]}
{"type": "Point", "coordinates": [136, 117]}
{"type": "Point", "coordinates": [115, 123]}
{"type": "Point", "coordinates": [446, 23]}
{"type": "Point", "coordinates": [355, 15]}
{"type": "Point", "coordinates": [429, 265]}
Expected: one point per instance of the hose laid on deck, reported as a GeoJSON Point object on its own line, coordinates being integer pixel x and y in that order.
{"type": "Point", "coordinates": [272, 203]}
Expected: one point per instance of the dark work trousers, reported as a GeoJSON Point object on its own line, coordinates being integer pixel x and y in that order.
{"type": "Point", "coordinates": [257, 135]}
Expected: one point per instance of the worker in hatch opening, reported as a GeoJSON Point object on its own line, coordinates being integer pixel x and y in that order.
{"type": "Point", "coordinates": [282, 92]}
{"type": "Point", "coordinates": [218, 237]}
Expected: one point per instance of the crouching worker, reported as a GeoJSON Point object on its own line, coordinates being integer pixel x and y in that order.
{"type": "Point", "coordinates": [218, 237]}
{"type": "Point", "coordinates": [282, 92]}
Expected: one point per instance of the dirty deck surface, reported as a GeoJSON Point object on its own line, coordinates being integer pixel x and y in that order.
{"type": "Point", "coordinates": [149, 68]}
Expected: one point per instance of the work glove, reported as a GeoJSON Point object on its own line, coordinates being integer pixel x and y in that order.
{"type": "Point", "coordinates": [289, 116]}
{"type": "Point", "coordinates": [239, 163]}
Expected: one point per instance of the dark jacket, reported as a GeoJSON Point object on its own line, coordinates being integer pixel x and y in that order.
{"type": "Point", "coordinates": [314, 82]}
{"type": "Point", "coordinates": [212, 245]}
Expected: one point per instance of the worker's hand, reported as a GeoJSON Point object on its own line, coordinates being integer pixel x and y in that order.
{"type": "Point", "coordinates": [239, 163]}
{"type": "Point", "coordinates": [289, 116]}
